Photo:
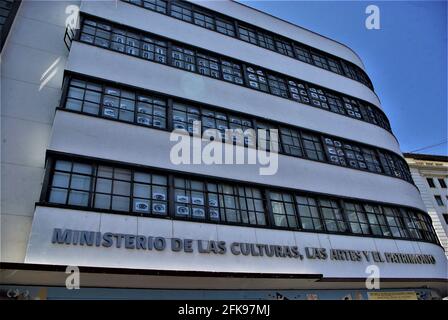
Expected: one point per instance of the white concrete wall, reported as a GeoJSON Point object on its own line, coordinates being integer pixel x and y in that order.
{"type": "Point", "coordinates": [188, 33]}
{"type": "Point", "coordinates": [32, 65]}
{"type": "Point", "coordinates": [41, 250]}
{"type": "Point", "coordinates": [115, 66]}
{"type": "Point", "coordinates": [105, 139]}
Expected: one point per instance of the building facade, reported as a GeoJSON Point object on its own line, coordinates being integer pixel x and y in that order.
{"type": "Point", "coordinates": [91, 91]}
{"type": "Point", "coordinates": [430, 173]}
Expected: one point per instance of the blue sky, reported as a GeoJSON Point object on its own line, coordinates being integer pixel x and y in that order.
{"type": "Point", "coordinates": [405, 59]}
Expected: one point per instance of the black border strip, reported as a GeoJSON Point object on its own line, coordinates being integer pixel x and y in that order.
{"type": "Point", "coordinates": [203, 274]}
{"type": "Point", "coordinates": [158, 272]}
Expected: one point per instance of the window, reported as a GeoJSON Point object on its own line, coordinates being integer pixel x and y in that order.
{"type": "Point", "coordinates": [357, 218]}
{"type": "Point", "coordinates": [442, 183]}
{"type": "Point", "coordinates": [111, 187]}
{"type": "Point", "coordinates": [344, 154]}
{"type": "Point", "coordinates": [208, 66]}
{"type": "Point", "coordinates": [71, 183]}
{"type": "Point", "coordinates": [371, 159]}
{"type": "Point", "coordinates": [183, 58]}
{"type": "Point", "coordinates": [189, 198]}
{"type": "Point", "coordinates": [265, 140]}
{"type": "Point", "coordinates": [303, 54]}
{"type": "Point", "coordinates": [225, 27]}
{"type": "Point", "coordinates": [96, 33]}
{"type": "Point", "coordinates": [312, 147]}
{"type": "Point", "coordinates": [113, 191]}
{"type": "Point", "coordinates": [118, 104]}
{"type": "Point", "coordinates": [377, 220]}
{"type": "Point", "coordinates": [257, 79]}
{"type": "Point", "coordinates": [154, 5]}
{"type": "Point", "coordinates": [284, 48]}
{"type": "Point", "coordinates": [410, 220]}
{"type": "Point", "coordinates": [352, 108]}
{"type": "Point", "coordinates": [277, 86]}
{"type": "Point", "coordinates": [231, 72]}
{"type": "Point", "coordinates": [297, 91]}
{"type": "Point", "coordinates": [388, 164]}
{"type": "Point", "coordinates": [439, 200]}
{"type": "Point", "coordinates": [150, 48]}
{"type": "Point", "coordinates": [318, 98]}
{"type": "Point", "coordinates": [184, 116]}
{"type": "Point", "coordinates": [112, 102]}
{"type": "Point", "coordinates": [283, 211]}
{"type": "Point", "coordinates": [181, 10]}
{"type": "Point", "coordinates": [332, 215]}
{"type": "Point", "coordinates": [424, 224]}
{"type": "Point", "coordinates": [334, 65]}
{"type": "Point", "coordinates": [395, 222]}
{"type": "Point", "coordinates": [154, 50]}
{"type": "Point", "coordinates": [105, 187]}
{"type": "Point", "coordinates": [291, 142]}
{"type": "Point", "coordinates": [235, 204]}
{"type": "Point", "coordinates": [204, 20]}
{"type": "Point", "coordinates": [84, 96]}
{"type": "Point", "coordinates": [335, 103]}
{"type": "Point", "coordinates": [210, 20]}
{"type": "Point", "coordinates": [320, 61]}
{"type": "Point", "coordinates": [309, 213]}
{"type": "Point", "coordinates": [265, 41]}
{"type": "Point", "coordinates": [103, 35]}
{"type": "Point", "coordinates": [348, 69]}
{"type": "Point", "coordinates": [247, 35]}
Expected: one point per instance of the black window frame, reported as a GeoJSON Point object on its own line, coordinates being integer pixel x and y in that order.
{"type": "Point", "coordinates": [338, 65]}
{"type": "Point", "coordinates": [164, 119]}
{"type": "Point", "coordinates": [418, 221]}
{"type": "Point", "coordinates": [240, 76]}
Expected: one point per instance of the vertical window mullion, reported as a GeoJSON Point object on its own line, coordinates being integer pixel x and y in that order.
{"type": "Point", "coordinates": [92, 185]}
{"type": "Point", "coordinates": [206, 203]}
{"type": "Point", "coordinates": [237, 29]}
{"type": "Point", "coordinates": [366, 214]}
{"type": "Point", "coordinates": [101, 106]}
{"type": "Point", "coordinates": [48, 180]}
{"type": "Point", "coordinates": [169, 114]}
{"type": "Point", "coordinates": [169, 51]}
{"type": "Point", "coordinates": [296, 211]}
{"type": "Point", "coordinates": [321, 216]}
{"type": "Point", "coordinates": [65, 88]}
{"type": "Point", "coordinates": [131, 192]}
{"type": "Point", "coordinates": [95, 178]}
{"type": "Point", "coordinates": [168, 7]}
{"type": "Point", "coordinates": [270, 221]}
{"type": "Point", "coordinates": [344, 216]}
{"type": "Point", "coordinates": [69, 183]}
{"type": "Point", "coordinates": [171, 200]}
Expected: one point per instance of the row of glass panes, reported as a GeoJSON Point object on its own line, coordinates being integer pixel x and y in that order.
{"type": "Point", "coordinates": [213, 21]}
{"type": "Point", "coordinates": [122, 189]}
{"type": "Point", "coordinates": [147, 47]}
{"type": "Point", "coordinates": [128, 105]}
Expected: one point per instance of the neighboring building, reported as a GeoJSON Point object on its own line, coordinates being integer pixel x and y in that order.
{"type": "Point", "coordinates": [430, 174]}
{"type": "Point", "coordinates": [87, 179]}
